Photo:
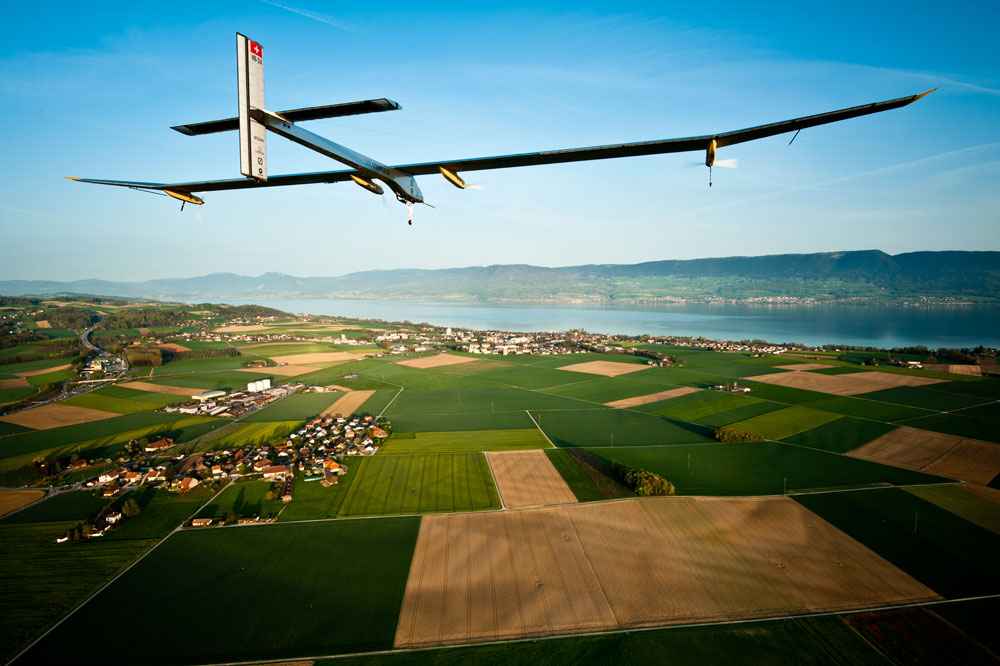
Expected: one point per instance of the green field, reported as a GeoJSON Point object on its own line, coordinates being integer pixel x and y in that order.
{"type": "Point", "coordinates": [865, 409]}
{"type": "Point", "coordinates": [232, 380]}
{"type": "Point", "coordinates": [761, 468]}
{"type": "Point", "coordinates": [97, 438]}
{"type": "Point", "coordinates": [973, 508]}
{"type": "Point", "coordinates": [456, 422]}
{"type": "Point", "coordinates": [467, 441]}
{"type": "Point", "coordinates": [822, 641]}
{"type": "Point", "coordinates": [959, 424]}
{"type": "Point", "coordinates": [341, 585]}
{"type": "Point", "coordinates": [160, 512]}
{"type": "Point", "coordinates": [147, 397]}
{"type": "Point", "coordinates": [784, 422]}
{"type": "Point", "coordinates": [51, 377]}
{"type": "Point", "coordinates": [33, 366]}
{"type": "Point", "coordinates": [78, 505]}
{"type": "Point", "coordinates": [606, 389]}
{"type": "Point", "coordinates": [246, 499]}
{"type": "Point", "coordinates": [286, 349]}
{"type": "Point", "coordinates": [42, 580]}
{"type": "Point", "coordinates": [107, 403]}
{"type": "Point", "coordinates": [295, 407]}
{"type": "Point", "coordinates": [578, 480]}
{"type": "Point", "coordinates": [949, 554]}
{"type": "Point", "coordinates": [840, 436]}
{"type": "Point", "coordinates": [420, 483]}
{"type": "Point", "coordinates": [615, 427]}
{"type": "Point", "coordinates": [8, 395]}
{"type": "Point", "coordinates": [256, 433]}
{"type": "Point", "coordinates": [925, 397]}
{"type": "Point", "coordinates": [311, 501]}
{"type": "Point", "coordinates": [201, 365]}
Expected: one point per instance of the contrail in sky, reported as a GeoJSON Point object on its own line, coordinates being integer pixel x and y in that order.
{"type": "Point", "coordinates": [315, 17]}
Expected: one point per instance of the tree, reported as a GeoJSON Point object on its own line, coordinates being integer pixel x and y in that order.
{"type": "Point", "coordinates": [131, 508]}
{"type": "Point", "coordinates": [269, 495]}
{"type": "Point", "coordinates": [231, 517]}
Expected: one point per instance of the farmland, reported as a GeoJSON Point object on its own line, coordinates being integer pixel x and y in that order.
{"type": "Point", "coordinates": [764, 468]}
{"type": "Point", "coordinates": [235, 566]}
{"type": "Point", "coordinates": [466, 441]}
{"type": "Point", "coordinates": [245, 499]}
{"type": "Point", "coordinates": [420, 483]}
{"type": "Point", "coordinates": [615, 427]}
{"type": "Point", "coordinates": [296, 407]}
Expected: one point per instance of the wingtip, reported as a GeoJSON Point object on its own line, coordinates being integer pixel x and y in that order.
{"type": "Point", "coordinates": [923, 94]}
{"type": "Point", "coordinates": [71, 177]}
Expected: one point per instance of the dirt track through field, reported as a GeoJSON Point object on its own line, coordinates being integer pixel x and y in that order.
{"type": "Point", "coordinates": [55, 416]}
{"type": "Point", "coordinates": [436, 361]}
{"type": "Point", "coordinates": [41, 323]}
{"type": "Point", "coordinates": [850, 384]}
{"type": "Point", "coordinates": [634, 563]}
{"type": "Point", "coordinates": [20, 382]}
{"type": "Point", "coordinates": [604, 368]}
{"type": "Point", "coordinates": [348, 404]}
{"type": "Point", "coordinates": [935, 453]}
{"type": "Point", "coordinates": [653, 397]}
{"type": "Point", "coordinates": [319, 357]}
{"type": "Point", "coordinates": [15, 499]}
{"type": "Point", "coordinates": [43, 371]}
{"type": "Point", "coordinates": [163, 388]}
{"type": "Point", "coordinates": [527, 478]}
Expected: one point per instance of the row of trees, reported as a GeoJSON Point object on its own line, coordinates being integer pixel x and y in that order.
{"type": "Point", "coordinates": [732, 435]}
{"type": "Point", "coordinates": [642, 482]}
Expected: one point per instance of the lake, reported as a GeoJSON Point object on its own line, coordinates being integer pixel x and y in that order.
{"type": "Point", "coordinates": [877, 326]}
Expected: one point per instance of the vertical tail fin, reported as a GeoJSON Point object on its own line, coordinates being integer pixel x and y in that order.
{"type": "Point", "coordinates": [250, 83]}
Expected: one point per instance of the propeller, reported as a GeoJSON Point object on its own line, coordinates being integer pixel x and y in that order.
{"type": "Point", "coordinates": [733, 163]}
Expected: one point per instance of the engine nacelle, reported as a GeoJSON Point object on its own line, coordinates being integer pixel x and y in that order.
{"type": "Point", "coordinates": [367, 184]}
{"type": "Point", "coordinates": [710, 153]}
{"type": "Point", "coordinates": [186, 197]}
{"type": "Point", "coordinates": [452, 177]}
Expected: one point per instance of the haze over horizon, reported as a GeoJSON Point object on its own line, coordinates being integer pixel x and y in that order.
{"type": "Point", "coordinates": [93, 93]}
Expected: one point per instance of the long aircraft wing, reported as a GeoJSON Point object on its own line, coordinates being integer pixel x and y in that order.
{"type": "Point", "coordinates": [544, 157]}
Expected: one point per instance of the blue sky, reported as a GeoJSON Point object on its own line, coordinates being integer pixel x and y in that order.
{"type": "Point", "coordinates": [91, 89]}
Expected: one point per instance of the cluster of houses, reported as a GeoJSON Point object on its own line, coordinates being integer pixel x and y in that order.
{"type": "Point", "coordinates": [327, 436]}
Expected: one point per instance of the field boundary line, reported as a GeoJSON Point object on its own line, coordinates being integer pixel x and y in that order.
{"type": "Point", "coordinates": [503, 507]}
{"type": "Point", "coordinates": [401, 389]}
{"type": "Point", "coordinates": [539, 428]}
{"type": "Point", "coordinates": [119, 575]}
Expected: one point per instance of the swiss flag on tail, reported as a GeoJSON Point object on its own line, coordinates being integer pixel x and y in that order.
{"type": "Point", "coordinates": [256, 49]}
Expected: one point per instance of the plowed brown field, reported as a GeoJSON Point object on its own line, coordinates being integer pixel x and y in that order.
{"type": "Point", "coordinates": [348, 404]}
{"type": "Point", "coordinates": [633, 563]}
{"type": "Point", "coordinates": [935, 453]}
{"type": "Point", "coordinates": [852, 384]}
{"type": "Point", "coordinates": [163, 388]}
{"type": "Point", "coordinates": [605, 368]}
{"type": "Point", "coordinates": [55, 415]}
{"type": "Point", "coordinates": [435, 361]}
{"type": "Point", "coordinates": [281, 370]}
{"type": "Point", "coordinates": [20, 382]}
{"type": "Point", "coordinates": [15, 499]}
{"type": "Point", "coordinates": [953, 369]}
{"type": "Point", "coordinates": [41, 323]}
{"type": "Point", "coordinates": [527, 478]}
{"type": "Point", "coordinates": [653, 397]}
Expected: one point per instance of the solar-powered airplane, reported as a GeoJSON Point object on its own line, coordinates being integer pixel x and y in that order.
{"type": "Point", "coordinates": [255, 120]}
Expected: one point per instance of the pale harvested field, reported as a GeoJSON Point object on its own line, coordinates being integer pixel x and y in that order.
{"type": "Point", "coordinates": [972, 460]}
{"type": "Point", "coordinates": [804, 366]}
{"type": "Point", "coordinates": [852, 384]}
{"type": "Point", "coordinates": [346, 405]}
{"type": "Point", "coordinates": [241, 329]}
{"type": "Point", "coordinates": [934, 453]}
{"type": "Point", "coordinates": [43, 371]}
{"type": "Point", "coordinates": [56, 415]}
{"type": "Point", "coordinates": [634, 563]}
{"type": "Point", "coordinates": [143, 330]}
{"type": "Point", "coordinates": [527, 478]}
{"type": "Point", "coordinates": [162, 388]}
{"type": "Point", "coordinates": [991, 494]}
{"type": "Point", "coordinates": [320, 357]}
{"type": "Point", "coordinates": [20, 382]}
{"type": "Point", "coordinates": [940, 367]}
{"type": "Point", "coordinates": [42, 323]}
{"type": "Point", "coordinates": [653, 397]}
{"type": "Point", "coordinates": [251, 328]}
{"type": "Point", "coordinates": [605, 368]}
{"type": "Point", "coordinates": [436, 361]}
{"type": "Point", "coordinates": [15, 499]}
{"type": "Point", "coordinates": [281, 370]}
{"type": "Point", "coordinates": [173, 346]}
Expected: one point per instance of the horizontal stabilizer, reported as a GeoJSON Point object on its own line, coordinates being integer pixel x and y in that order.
{"type": "Point", "coordinates": [295, 115]}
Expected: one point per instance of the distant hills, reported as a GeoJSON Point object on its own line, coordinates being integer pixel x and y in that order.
{"type": "Point", "coordinates": [865, 275]}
